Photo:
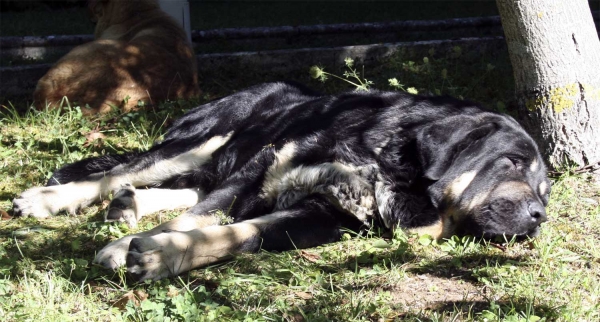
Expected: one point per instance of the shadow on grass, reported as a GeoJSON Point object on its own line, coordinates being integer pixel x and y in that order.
{"type": "Point", "coordinates": [7, 196]}
{"type": "Point", "coordinates": [292, 269]}
{"type": "Point", "coordinates": [65, 247]}
{"type": "Point", "coordinates": [461, 266]}
{"type": "Point", "coordinates": [519, 307]}
{"type": "Point", "coordinates": [45, 243]}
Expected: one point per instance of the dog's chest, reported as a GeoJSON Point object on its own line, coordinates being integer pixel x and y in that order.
{"type": "Point", "coordinates": [348, 187]}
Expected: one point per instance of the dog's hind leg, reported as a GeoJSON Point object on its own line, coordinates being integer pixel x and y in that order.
{"type": "Point", "coordinates": [73, 186]}
{"type": "Point", "coordinates": [149, 169]}
{"type": "Point", "coordinates": [129, 204]}
{"type": "Point", "coordinates": [41, 202]}
{"type": "Point", "coordinates": [83, 168]}
{"type": "Point", "coordinates": [309, 223]}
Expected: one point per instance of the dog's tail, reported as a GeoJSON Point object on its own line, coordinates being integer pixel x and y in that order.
{"type": "Point", "coordinates": [81, 169]}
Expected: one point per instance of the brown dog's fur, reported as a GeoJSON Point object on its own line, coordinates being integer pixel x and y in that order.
{"type": "Point", "coordinates": [140, 53]}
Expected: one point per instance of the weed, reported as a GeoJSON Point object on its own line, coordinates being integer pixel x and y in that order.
{"type": "Point", "coordinates": [487, 80]}
{"type": "Point", "coordinates": [351, 76]}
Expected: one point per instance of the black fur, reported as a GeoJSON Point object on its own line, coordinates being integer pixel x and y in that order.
{"type": "Point", "coordinates": [426, 134]}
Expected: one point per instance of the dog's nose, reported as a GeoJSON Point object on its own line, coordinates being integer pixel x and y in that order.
{"type": "Point", "coordinates": [537, 212]}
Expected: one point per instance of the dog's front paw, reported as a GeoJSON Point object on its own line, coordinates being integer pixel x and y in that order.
{"type": "Point", "coordinates": [155, 257]}
{"type": "Point", "coordinates": [123, 207]}
{"type": "Point", "coordinates": [36, 202]}
{"type": "Point", "coordinates": [114, 254]}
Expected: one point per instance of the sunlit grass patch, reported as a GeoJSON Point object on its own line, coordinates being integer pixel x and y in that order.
{"type": "Point", "coordinates": [46, 296]}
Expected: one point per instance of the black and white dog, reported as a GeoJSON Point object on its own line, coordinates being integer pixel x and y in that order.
{"type": "Point", "coordinates": [293, 167]}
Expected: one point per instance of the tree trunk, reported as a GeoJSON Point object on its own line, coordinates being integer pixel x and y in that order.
{"type": "Point", "coordinates": [555, 54]}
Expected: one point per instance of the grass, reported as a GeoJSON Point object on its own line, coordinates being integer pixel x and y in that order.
{"type": "Point", "coordinates": [46, 272]}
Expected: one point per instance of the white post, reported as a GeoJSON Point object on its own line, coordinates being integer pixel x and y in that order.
{"type": "Point", "coordinates": [180, 10]}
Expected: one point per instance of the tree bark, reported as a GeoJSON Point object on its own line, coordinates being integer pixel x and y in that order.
{"type": "Point", "coordinates": [555, 54]}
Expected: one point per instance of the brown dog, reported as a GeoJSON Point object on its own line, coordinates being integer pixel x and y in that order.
{"type": "Point", "coordinates": [140, 54]}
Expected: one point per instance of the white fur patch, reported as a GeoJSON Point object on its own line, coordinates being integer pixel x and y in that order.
{"type": "Point", "coordinates": [543, 188]}
{"type": "Point", "coordinates": [147, 201]}
{"type": "Point", "coordinates": [280, 166]}
{"type": "Point", "coordinates": [347, 186]}
{"type": "Point", "coordinates": [384, 197]}
{"type": "Point", "coordinates": [534, 165]}
{"type": "Point", "coordinates": [181, 164]}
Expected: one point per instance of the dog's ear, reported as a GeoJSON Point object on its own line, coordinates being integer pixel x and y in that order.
{"type": "Point", "coordinates": [439, 143]}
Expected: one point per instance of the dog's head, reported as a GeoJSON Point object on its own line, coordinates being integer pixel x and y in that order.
{"type": "Point", "coordinates": [488, 175]}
